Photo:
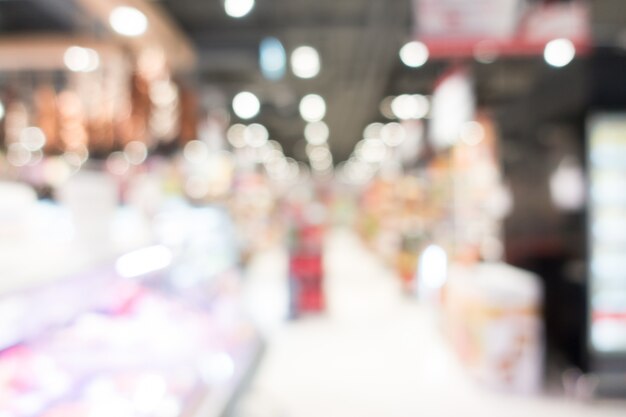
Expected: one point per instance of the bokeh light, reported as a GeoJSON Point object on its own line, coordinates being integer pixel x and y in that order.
{"type": "Point", "coordinates": [414, 54]}
{"type": "Point", "coordinates": [559, 52]}
{"type": "Point", "coordinates": [246, 105]}
{"type": "Point", "coordinates": [312, 108]}
{"type": "Point", "coordinates": [238, 8]}
{"type": "Point", "coordinates": [316, 133]}
{"type": "Point", "coordinates": [128, 21]}
{"type": "Point", "coordinates": [305, 62]}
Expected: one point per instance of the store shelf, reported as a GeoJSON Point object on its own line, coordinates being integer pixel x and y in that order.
{"type": "Point", "coordinates": [157, 328]}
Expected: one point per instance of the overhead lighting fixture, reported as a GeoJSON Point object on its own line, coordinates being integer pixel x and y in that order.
{"type": "Point", "coordinates": [385, 108]}
{"type": "Point", "coordinates": [256, 135]}
{"type": "Point", "coordinates": [246, 105]}
{"type": "Point", "coordinates": [235, 135]}
{"type": "Point", "coordinates": [559, 52]}
{"type": "Point", "coordinates": [414, 54]}
{"type": "Point", "coordinates": [393, 134]}
{"type": "Point", "coordinates": [372, 131]}
{"type": "Point", "coordinates": [272, 58]}
{"type": "Point", "coordinates": [316, 133]}
{"type": "Point", "coordinates": [320, 157]}
{"type": "Point", "coordinates": [305, 62]}
{"type": "Point", "coordinates": [372, 150]}
{"type": "Point", "coordinates": [128, 21]}
{"type": "Point", "coordinates": [238, 8]}
{"type": "Point", "coordinates": [319, 154]}
{"type": "Point", "coordinates": [407, 106]}
{"type": "Point", "coordinates": [78, 59]}
{"type": "Point", "coordinates": [312, 108]}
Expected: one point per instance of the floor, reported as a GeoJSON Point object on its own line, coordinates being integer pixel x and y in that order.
{"type": "Point", "coordinates": [375, 352]}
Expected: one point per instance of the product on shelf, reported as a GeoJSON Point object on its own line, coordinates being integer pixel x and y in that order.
{"type": "Point", "coordinates": [307, 229]}
{"type": "Point", "coordinates": [130, 340]}
{"type": "Point", "coordinates": [607, 227]}
{"type": "Point", "coordinates": [494, 323]}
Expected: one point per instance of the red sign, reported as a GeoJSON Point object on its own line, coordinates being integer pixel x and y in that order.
{"type": "Point", "coordinates": [461, 28]}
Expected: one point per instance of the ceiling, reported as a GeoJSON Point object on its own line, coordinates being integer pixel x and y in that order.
{"type": "Point", "coordinates": [358, 41]}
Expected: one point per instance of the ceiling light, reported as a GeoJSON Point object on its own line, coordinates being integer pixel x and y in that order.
{"type": "Point", "coordinates": [559, 52]}
{"type": "Point", "coordinates": [407, 106]}
{"type": "Point", "coordinates": [246, 105]}
{"type": "Point", "coordinates": [385, 107]}
{"type": "Point", "coordinates": [371, 150]}
{"type": "Point", "coordinates": [372, 131]}
{"type": "Point", "coordinates": [316, 133]}
{"type": "Point", "coordinates": [271, 150]}
{"type": "Point", "coordinates": [312, 108]}
{"type": "Point", "coordinates": [305, 62]}
{"type": "Point", "coordinates": [393, 134]}
{"type": "Point", "coordinates": [322, 164]}
{"type": "Point", "coordinates": [79, 59]}
{"type": "Point", "coordinates": [235, 135]}
{"type": "Point", "coordinates": [272, 58]}
{"type": "Point", "coordinates": [2, 111]}
{"type": "Point", "coordinates": [256, 135]}
{"type": "Point", "coordinates": [238, 8]}
{"type": "Point", "coordinates": [414, 54]}
{"type": "Point", "coordinates": [128, 21]}
{"type": "Point", "coordinates": [318, 153]}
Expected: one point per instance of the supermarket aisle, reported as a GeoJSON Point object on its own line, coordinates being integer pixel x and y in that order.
{"type": "Point", "coordinates": [375, 353]}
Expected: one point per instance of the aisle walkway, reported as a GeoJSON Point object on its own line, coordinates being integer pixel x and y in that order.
{"type": "Point", "coordinates": [375, 353]}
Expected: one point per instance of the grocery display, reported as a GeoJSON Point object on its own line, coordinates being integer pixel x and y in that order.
{"type": "Point", "coordinates": [132, 347]}
{"type": "Point", "coordinates": [306, 260]}
{"type": "Point", "coordinates": [495, 326]}
{"type": "Point", "coordinates": [397, 203]}
{"type": "Point", "coordinates": [439, 225]}
{"type": "Point", "coordinates": [607, 219]}
{"type": "Point", "coordinates": [159, 331]}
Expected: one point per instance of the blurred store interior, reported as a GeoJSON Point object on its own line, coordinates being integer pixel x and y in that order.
{"type": "Point", "coordinates": [294, 208]}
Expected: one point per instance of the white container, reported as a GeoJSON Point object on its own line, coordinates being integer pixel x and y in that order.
{"type": "Point", "coordinates": [16, 204]}
{"type": "Point", "coordinates": [91, 198]}
{"type": "Point", "coordinates": [495, 323]}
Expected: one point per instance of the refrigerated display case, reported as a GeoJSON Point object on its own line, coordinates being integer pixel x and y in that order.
{"type": "Point", "coordinates": [607, 250]}
{"type": "Point", "coordinates": [159, 332]}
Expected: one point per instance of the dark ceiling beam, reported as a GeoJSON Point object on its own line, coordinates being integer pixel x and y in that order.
{"type": "Point", "coordinates": [608, 22]}
{"type": "Point", "coordinates": [251, 36]}
{"type": "Point", "coordinates": [66, 11]}
{"type": "Point", "coordinates": [298, 24]}
{"type": "Point", "coordinates": [240, 60]}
